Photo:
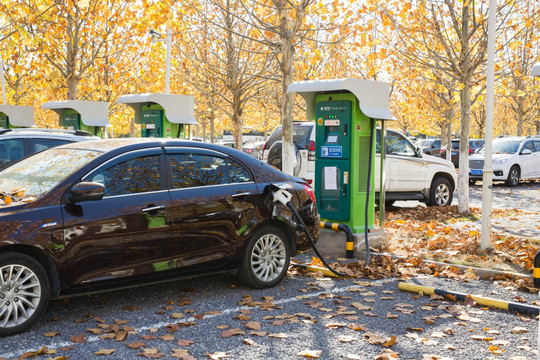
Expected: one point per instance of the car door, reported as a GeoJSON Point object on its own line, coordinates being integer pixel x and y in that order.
{"type": "Point", "coordinates": [127, 232]}
{"type": "Point", "coordinates": [536, 157]}
{"type": "Point", "coordinates": [406, 169]}
{"type": "Point", "coordinates": [527, 161]}
{"type": "Point", "coordinates": [213, 199]}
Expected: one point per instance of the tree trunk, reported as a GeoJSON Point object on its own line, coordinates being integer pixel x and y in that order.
{"type": "Point", "coordinates": [465, 101]}
{"type": "Point", "coordinates": [286, 98]}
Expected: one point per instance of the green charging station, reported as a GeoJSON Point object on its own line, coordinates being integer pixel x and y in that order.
{"type": "Point", "coordinates": [16, 116]}
{"type": "Point", "coordinates": [162, 115]}
{"type": "Point", "coordinates": [89, 116]}
{"type": "Point", "coordinates": [345, 112]}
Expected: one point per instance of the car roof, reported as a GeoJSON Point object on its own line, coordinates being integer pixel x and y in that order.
{"type": "Point", "coordinates": [46, 133]}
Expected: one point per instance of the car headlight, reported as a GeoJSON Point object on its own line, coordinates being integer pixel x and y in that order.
{"type": "Point", "coordinates": [499, 161]}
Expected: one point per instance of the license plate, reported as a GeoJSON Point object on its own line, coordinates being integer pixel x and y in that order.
{"type": "Point", "coordinates": [476, 172]}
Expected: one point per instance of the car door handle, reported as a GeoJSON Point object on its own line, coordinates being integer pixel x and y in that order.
{"type": "Point", "coordinates": [153, 209]}
{"type": "Point", "coordinates": [241, 194]}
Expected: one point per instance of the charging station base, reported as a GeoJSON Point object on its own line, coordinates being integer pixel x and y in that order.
{"type": "Point", "coordinates": [333, 243]}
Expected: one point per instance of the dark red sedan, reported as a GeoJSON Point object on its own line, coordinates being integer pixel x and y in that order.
{"type": "Point", "coordinates": [102, 214]}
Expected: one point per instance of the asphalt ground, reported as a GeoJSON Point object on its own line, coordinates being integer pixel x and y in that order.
{"type": "Point", "coordinates": [303, 317]}
{"type": "Point", "coordinates": [329, 318]}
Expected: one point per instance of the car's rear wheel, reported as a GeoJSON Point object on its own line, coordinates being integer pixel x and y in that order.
{"type": "Point", "coordinates": [441, 192]}
{"type": "Point", "coordinates": [513, 176]}
{"type": "Point", "coordinates": [266, 258]}
{"type": "Point", "coordinates": [24, 292]}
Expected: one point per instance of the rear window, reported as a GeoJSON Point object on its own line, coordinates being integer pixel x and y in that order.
{"type": "Point", "coordinates": [301, 136]}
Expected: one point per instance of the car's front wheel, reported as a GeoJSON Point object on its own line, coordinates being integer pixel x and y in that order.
{"type": "Point", "coordinates": [24, 292]}
{"type": "Point", "coordinates": [441, 192]}
{"type": "Point", "coordinates": [266, 258]}
{"type": "Point", "coordinates": [513, 176]}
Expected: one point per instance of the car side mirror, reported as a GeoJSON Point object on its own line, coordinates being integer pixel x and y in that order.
{"type": "Point", "coordinates": [526, 152]}
{"type": "Point", "coordinates": [417, 151]}
{"type": "Point", "coordinates": [86, 191]}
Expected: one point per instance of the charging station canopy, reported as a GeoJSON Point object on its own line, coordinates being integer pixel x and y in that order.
{"type": "Point", "coordinates": [18, 115]}
{"type": "Point", "coordinates": [179, 109]}
{"type": "Point", "coordinates": [373, 97]}
{"type": "Point", "coordinates": [92, 113]}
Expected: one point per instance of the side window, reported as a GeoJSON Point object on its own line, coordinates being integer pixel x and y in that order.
{"type": "Point", "coordinates": [536, 145]}
{"type": "Point", "coordinates": [398, 145]}
{"type": "Point", "coordinates": [238, 173]}
{"type": "Point", "coordinates": [11, 150]}
{"type": "Point", "coordinates": [136, 175]}
{"type": "Point", "coordinates": [528, 146]}
{"type": "Point", "coordinates": [191, 170]}
{"type": "Point", "coordinates": [37, 144]}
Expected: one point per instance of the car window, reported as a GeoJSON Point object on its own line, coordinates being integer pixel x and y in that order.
{"type": "Point", "coordinates": [536, 145]}
{"type": "Point", "coordinates": [238, 173]}
{"type": "Point", "coordinates": [131, 176]}
{"type": "Point", "coordinates": [397, 144]}
{"type": "Point", "coordinates": [39, 144]}
{"type": "Point", "coordinates": [41, 172]}
{"type": "Point", "coordinates": [11, 150]}
{"type": "Point", "coordinates": [301, 136]}
{"type": "Point", "coordinates": [191, 170]}
{"type": "Point", "coordinates": [528, 146]}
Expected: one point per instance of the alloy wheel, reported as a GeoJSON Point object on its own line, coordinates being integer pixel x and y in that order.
{"type": "Point", "coordinates": [20, 294]}
{"type": "Point", "coordinates": [268, 257]}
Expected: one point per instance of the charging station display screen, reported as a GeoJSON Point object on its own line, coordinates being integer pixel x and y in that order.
{"type": "Point", "coordinates": [332, 139]}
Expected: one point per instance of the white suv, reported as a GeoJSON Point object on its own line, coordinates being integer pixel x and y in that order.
{"type": "Point", "coordinates": [410, 174]}
{"type": "Point", "coordinates": [513, 158]}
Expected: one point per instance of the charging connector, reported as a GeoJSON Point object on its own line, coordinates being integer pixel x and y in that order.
{"type": "Point", "coordinates": [282, 196]}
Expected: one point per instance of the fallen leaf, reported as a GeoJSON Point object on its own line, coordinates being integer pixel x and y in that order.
{"type": "Point", "coordinates": [180, 353]}
{"type": "Point", "coordinates": [218, 355]}
{"type": "Point", "coordinates": [253, 325]}
{"type": "Point", "coordinates": [258, 333]}
{"type": "Point", "coordinates": [151, 353]}
{"type": "Point", "coordinates": [519, 330]}
{"type": "Point", "coordinates": [310, 353]}
{"type": "Point", "coordinates": [105, 352]}
{"type": "Point", "coordinates": [51, 334]}
{"type": "Point", "coordinates": [79, 339]}
{"type": "Point", "coordinates": [167, 337]}
{"type": "Point", "coordinates": [249, 342]}
{"type": "Point", "coordinates": [185, 342]}
{"type": "Point", "coordinates": [346, 338]}
{"type": "Point", "coordinates": [136, 345]}
{"type": "Point", "coordinates": [232, 332]}
{"type": "Point", "coordinates": [279, 336]}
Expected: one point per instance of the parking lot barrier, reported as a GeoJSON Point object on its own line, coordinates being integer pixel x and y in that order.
{"type": "Point", "coordinates": [452, 295]}
{"type": "Point", "coordinates": [341, 227]}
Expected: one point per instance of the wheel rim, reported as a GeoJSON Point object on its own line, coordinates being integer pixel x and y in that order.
{"type": "Point", "coordinates": [514, 176]}
{"type": "Point", "coordinates": [20, 293]}
{"type": "Point", "coordinates": [442, 194]}
{"type": "Point", "coordinates": [268, 257]}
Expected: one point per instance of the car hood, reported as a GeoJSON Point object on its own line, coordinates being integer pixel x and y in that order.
{"type": "Point", "coordinates": [493, 156]}
{"type": "Point", "coordinates": [437, 160]}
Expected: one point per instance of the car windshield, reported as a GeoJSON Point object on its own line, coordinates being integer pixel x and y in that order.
{"type": "Point", "coordinates": [31, 178]}
{"type": "Point", "coordinates": [503, 146]}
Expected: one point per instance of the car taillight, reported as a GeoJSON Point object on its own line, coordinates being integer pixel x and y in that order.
{"type": "Point", "coordinates": [261, 153]}
{"type": "Point", "coordinates": [310, 192]}
{"type": "Point", "coordinates": [249, 150]}
{"type": "Point", "coordinates": [470, 151]}
{"type": "Point", "coordinates": [311, 151]}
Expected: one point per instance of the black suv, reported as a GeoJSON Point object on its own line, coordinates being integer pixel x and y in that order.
{"type": "Point", "coordinates": [16, 144]}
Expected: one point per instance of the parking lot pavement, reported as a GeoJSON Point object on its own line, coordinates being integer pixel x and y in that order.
{"type": "Point", "coordinates": [303, 317]}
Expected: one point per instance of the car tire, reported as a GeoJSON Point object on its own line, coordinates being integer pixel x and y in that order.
{"type": "Point", "coordinates": [275, 159]}
{"type": "Point", "coordinates": [20, 309]}
{"type": "Point", "coordinates": [513, 176]}
{"type": "Point", "coordinates": [266, 258]}
{"type": "Point", "coordinates": [441, 192]}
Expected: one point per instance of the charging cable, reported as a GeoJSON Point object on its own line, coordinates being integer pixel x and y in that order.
{"type": "Point", "coordinates": [284, 197]}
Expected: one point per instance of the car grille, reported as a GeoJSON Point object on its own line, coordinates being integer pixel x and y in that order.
{"type": "Point", "coordinates": [476, 164]}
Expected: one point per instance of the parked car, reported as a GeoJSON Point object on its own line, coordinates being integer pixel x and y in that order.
{"type": "Point", "coordinates": [474, 146]}
{"type": "Point", "coordinates": [101, 214]}
{"type": "Point", "coordinates": [18, 143]}
{"type": "Point", "coordinates": [304, 147]}
{"type": "Point", "coordinates": [410, 174]}
{"type": "Point", "coordinates": [253, 148]}
{"type": "Point", "coordinates": [413, 175]}
{"type": "Point", "coordinates": [513, 158]}
{"type": "Point", "coordinates": [433, 149]}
